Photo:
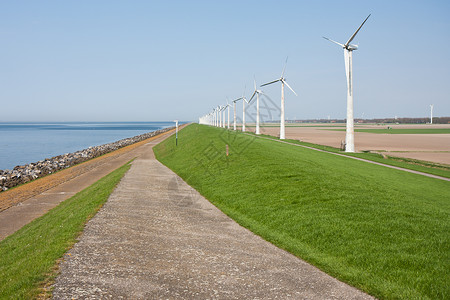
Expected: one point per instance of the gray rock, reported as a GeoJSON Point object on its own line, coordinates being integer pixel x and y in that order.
{"type": "Point", "coordinates": [26, 173]}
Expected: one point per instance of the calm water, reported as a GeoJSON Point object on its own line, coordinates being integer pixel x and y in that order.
{"type": "Point", "coordinates": [23, 143]}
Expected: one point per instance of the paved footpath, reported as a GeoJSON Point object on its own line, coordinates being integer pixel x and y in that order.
{"type": "Point", "coordinates": [157, 238]}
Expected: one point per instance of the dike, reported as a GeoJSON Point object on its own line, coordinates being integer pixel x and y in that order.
{"type": "Point", "coordinates": [26, 173]}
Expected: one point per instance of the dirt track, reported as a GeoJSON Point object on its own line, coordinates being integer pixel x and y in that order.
{"type": "Point", "coordinates": [429, 147]}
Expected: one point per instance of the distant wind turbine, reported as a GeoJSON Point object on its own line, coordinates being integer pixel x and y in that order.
{"type": "Point", "coordinates": [228, 109]}
{"type": "Point", "coordinates": [283, 82]}
{"type": "Point", "coordinates": [234, 112]}
{"type": "Point", "coordinates": [348, 48]}
{"type": "Point", "coordinates": [223, 115]}
{"type": "Point", "coordinates": [431, 113]}
{"type": "Point", "coordinates": [216, 117]}
{"type": "Point", "coordinates": [219, 112]}
{"type": "Point", "coordinates": [244, 100]}
{"type": "Point", "coordinates": [257, 93]}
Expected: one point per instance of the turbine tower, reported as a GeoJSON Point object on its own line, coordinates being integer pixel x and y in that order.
{"type": "Point", "coordinates": [244, 100]}
{"type": "Point", "coordinates": [216, 117]}
{"type": "Point", "coordinates": [219, 112]}
{"type": "Point", "coordinates": [283, 82]}
{"type": "Point", "coordinates": [223, 115]}
{"type": "Point", "coordinates": [348, 49]}
{"type": "Point", "coordinates": [228, 109]}
{"type": "Point", "coordinates": [431, 113]}
{"type": "Point", "coordinates": [234, 112]}
{"type": "Point", "coordinates": [257, 93]}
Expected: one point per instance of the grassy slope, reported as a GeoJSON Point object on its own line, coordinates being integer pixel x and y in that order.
{"type": "Point", "coordinates": [381, 230]}
{"type": "Point", "coordinates": [403, 130]}
{"type": "Point", "coordinates": [28, 257]}
{"type": "Point", "coordinates": [407, 163]}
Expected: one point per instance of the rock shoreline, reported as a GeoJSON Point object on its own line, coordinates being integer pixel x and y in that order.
{"type": "Point", "coordinates": [26, 173]}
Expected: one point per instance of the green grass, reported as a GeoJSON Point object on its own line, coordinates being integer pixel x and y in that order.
{"type": "Point", "coordinates": [403, 130]}
{"type": "Point", "coordinates": [28, 258]}
{"type": "Point", "coordinates": [384, 231]}
{"type": "Point", "coordinates": [297, 125]}
{"type": "Point", "coordinates": [402, 162]}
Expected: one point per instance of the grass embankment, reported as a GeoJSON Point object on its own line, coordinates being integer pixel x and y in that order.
{"type": "Point", "coordinates": [28, 257]}
{"type": "Point", "coordinates": [402, 162]}
{"type": "Point", "coordinates": [384, 231]}
{"type": "Point", "coordinates": [295, 125]}
{"type": "Point", "coordinates": [403, 130]}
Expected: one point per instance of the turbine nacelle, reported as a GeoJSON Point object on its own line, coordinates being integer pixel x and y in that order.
{"type": "Point", "coordinates": [347, 45]}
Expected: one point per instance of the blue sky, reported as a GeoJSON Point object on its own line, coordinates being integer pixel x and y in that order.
{"type": "Point", "coordinates": [165, 60]}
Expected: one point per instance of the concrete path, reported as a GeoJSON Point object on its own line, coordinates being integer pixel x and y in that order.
{"type": "Point", "coordinates": [157, 238]}
{"type": "Point", "coordinates": [15, 217]}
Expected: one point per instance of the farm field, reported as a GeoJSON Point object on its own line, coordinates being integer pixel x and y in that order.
{"type": "Point", "coordinates": [430, 146]}
{"type": "Point", "coordinates": [403, 131]}
{"type": "Point", "coordinates": [384, 231]}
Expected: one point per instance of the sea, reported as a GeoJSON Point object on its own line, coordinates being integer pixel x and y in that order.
{"type": "Point", "coordinates": [24, 143]}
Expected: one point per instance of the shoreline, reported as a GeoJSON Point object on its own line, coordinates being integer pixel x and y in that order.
{"type": "Point", "coordinates": [22, 204]}
{"type": "Point", "coordinates": [25, 173]}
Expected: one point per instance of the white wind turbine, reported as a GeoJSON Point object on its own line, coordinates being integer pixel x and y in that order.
{"type": "Point", "coordinates": [218, 116]}
{"type": "Point", "coordinates": [244, 100]}
{"type": "Point", "coordinates": [234, 112]}
{"type": "Point", "coordinates": [224, 112]}
{"type": "Point", "coordinates": [228, 109]}
{"type": "Point", "coordinates": [283, 82]}
{"type": "Point", "coordinates": [219, 111]}
{"type": "Point", "coordinates": [348, 48]}
{"type": "Point", "coordinates": [257, 93]}
{"type": "Point", "coordinates": [431, 113]}
{"type": "Point", "coordinates": [216, 119]}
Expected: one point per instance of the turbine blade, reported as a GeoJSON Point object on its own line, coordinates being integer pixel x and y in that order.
{"type": "Point", "coordinates": [253, 95]}
{"type": "Point", "coordinates": [240, 98]}
{"type": "Point", "coordinates": [270, 82]}
{"type": "Point", "coordinates": [342, 45]}
{"type": "Point", "coordinates": [284, 69]}
{"type": "Point", "coordinates": [254, 81]}
{"type": "Point", "coordinates": [353, 36]}
{"type": "Point", "coordinates": [290, 87]}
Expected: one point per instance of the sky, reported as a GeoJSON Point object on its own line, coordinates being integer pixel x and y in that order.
{"type": "Point", "coordinates": [163, 60]}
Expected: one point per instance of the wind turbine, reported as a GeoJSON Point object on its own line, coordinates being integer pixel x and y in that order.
{"type": "Point", "coordinates": [348, 49]}
{"type": "Point", "coordinates": [216, 120]}
{"type": "Point", "coordinates": [431, 113]}
{"type": "Point", "coordinates": [219, 111]}
{"type": "Point", "coordinates": [244, 100]}
{"type": "Point", "coordinates": [218, 116]}
{"type": "Point", "coordinates": [283, 82]}
{"type": "Point", "coordinates": [256, 92]}
{"type": "Point", "coordinates": [224, 113]}
{"type": "Point", "coordinates": [222, 116]}
{"type": "Point", "coordinates": [228, 109]}
{"type": "Point", "coordinates": [234, 111]}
